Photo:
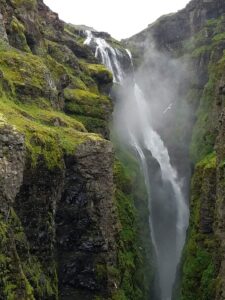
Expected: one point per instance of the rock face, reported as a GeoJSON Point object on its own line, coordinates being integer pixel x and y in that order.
{"type": "Point", "coordinates": [86, 222]}
{"type": "Point", "coordinates": [195, 37]}
{"type": "Point", "coordinates": [68, 223]}
{"type": "Point", "coordinates": [42, 188]}
{"type": "Point", "coordinates": [12, 162]}
{"type": "Point", "coordinates": [169, 31]}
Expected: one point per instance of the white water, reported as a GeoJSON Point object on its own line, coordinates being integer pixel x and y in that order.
{"type": "Point", "coordinates": [108, 55]}
{"type": "Point", "coordinates": [169, 218]}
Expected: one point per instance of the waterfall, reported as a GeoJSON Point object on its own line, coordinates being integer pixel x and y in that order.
{"type": "Point", "coordinates": [168, 209]}
{"type": "Point", "coordinates": [107, 55]}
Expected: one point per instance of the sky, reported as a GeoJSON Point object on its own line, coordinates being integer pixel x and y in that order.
{"type": "Point", "coordinates": [120, 18]}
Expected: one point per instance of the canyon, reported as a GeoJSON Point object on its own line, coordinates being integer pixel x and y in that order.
{"type": "Point", "coordinates": [112, 157]}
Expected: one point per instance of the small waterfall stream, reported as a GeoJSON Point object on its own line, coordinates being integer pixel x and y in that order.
{"type": "Point", "coordinates": [168, 210]}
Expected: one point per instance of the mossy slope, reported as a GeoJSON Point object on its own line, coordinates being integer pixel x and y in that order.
{"type": "Point", "coordinates": [43, 70]}
{"type": "Point", "coordinates": [54, 93]}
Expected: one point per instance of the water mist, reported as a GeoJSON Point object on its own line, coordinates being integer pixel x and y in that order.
{"type": "Point", "coordinates": [135, 121]}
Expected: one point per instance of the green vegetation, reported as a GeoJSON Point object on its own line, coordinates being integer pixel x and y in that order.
{"type": "Point", "coordinates": [55, 100]}
{"type": "Point", "coordinates": [27, 83]}
{"type": "Point", "coordinates": [204, 133]}
{"type": "Point", "coordinates": [19, 31]}
{"type": "Point", "coordinates": [203, 47]}
{"type": "Point", "coordinates": [128, 248]}
{"type": "Point", "coordinates": [200, 254]}
{"type": "Point", "coordinates": [48, 133]}
{"type": "Point", "coordinates": [99, 72]}
{"type": "Point", "coordinates": [93, 124]}
{"type": "Point", "coordinates": [24, 70]}
{"type": "Point", "coordinates": [28, 4]}
{"type": "Point", "coordinates": [80, 102]}
{"type": "Point", "coordinates": [73, 32]}
{"type": "Point", "coordinates": [207, 39]}
{"type": "Point", "coordinates": [134, 258]}
{"type": "Point", "coordinates": [84, 97]}
{"type": "Point", "coordinates": [22, 277]}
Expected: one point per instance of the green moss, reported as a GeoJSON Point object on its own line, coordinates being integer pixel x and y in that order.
{"type": "Point", "coordinates": [49, 134]}
{"type": "Point", "coordinates": [100, 72]}
{"type": "Point", "coordinates": [60, 68]}
{"type": "Point", "coordinates": [93, 124]}
{"type": "Point", "coordinates": [22, 275]}
{"type": "Point", "coordinates": [201, 50]}
{"type": "Point", "coordinates": [80, 102]}
{"type": "Point", "coordinates": [30, 85]}
{"type": "Point", "coordinates": [199, 280]}
{"type": "Point", "coordinates": [208, 162]}
{"type": "Point", "coordinates": [13, 281]}
{"type": "Point", "coordinates": [17, 26]}
{"type": "Point", "coordinates": [62, 54]}
{"type": "Point", "coordinates": [129, 275]}
{"type": "Point", "coordinates": [119, 295]}
{"type": "Point", "coordinates": [57, 70]}
{"type": "Point", "coordinates": [219, 37]}
{"type": "Point", "coordinates": [31, 97]}
{"type": "Point", "coordinates": [207, 39]}
{"type": "Point", "coordinates": [203, 137]}
{"type": "Point", "coordinates": [25, 70]}
{"type": "Point", "coordinates": [44, 285]}
{"type": "Point", "coordinates": [28, 4]}
{"type": "Point", "coordinates": [199, 271]}
{"type": "Point", "coordinates": [84, 97]}
{"type": "Point", "coordinates": [122, 179]}
{"type": "Point", "coordinates": [133, 264]}
{"type": "Point", "coordinates": [73, 35]}
{"type": "Point", "coordinates": [204, 133]}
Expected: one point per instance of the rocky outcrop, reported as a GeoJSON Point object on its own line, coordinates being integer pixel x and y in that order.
{"type": "Point", "coordinates": [50, 166]}
{"type": "Point", "coordinates": [12, 163]}
{"type": "Point", "coordinates": [86, 223]}
{"type": "Point", "coordinates": [169, 31]}
{"type": "Point", "coordinates": [68, 226]}
{"type": "Point", "coordinates": [66, 213]}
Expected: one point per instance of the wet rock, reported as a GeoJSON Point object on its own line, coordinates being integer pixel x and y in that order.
{"type": "Point", "coordinates": [86, 224]}
{"type": "Point", "coordinates": [12, 163]}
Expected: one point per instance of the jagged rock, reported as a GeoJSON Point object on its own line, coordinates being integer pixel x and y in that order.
{"type": "Point", "coordinates": [56, 178]}
{"type": "Point", "coordinates": [12, 163]}
{"type": "Point", "coordinates": [3, 34]}
{"type": "Point", "coordinates": [86, 223]}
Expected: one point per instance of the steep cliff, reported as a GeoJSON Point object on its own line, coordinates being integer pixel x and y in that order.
{"type": "Point", "coordinates": [68, 223]}
{"type": "Point", "coordinates": [194, 132]}
{"type": "Point", "coordinates": [73, 218]}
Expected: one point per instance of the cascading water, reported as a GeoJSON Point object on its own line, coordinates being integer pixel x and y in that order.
{"type": "Point", "coordinates": [107, 55]}
{"type": "Point", "coordinates": [168, 209]}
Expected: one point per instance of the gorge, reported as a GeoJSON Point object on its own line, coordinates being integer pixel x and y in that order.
{"type": "Point", "coordinates": [112, 157]}
{"type": "Point", "coordinates": [169, 210]}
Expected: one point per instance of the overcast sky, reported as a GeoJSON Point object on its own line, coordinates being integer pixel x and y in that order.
{"type": "Point", "coordinates": [120, 18]}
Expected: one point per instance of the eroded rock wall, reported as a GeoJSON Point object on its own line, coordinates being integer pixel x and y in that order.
{"type": "Point", "coordinates": [68, 226]}
{"type": "Point", "coordinates": [195, 37]}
